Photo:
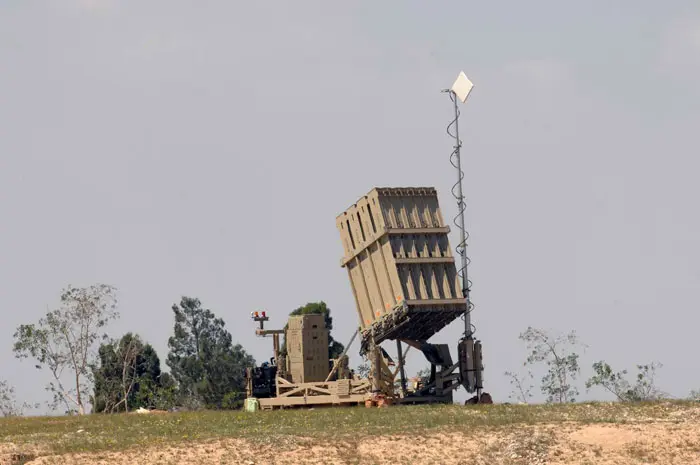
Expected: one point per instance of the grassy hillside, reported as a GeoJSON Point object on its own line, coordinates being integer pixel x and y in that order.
{"type": "Point", "coordinates": [290, 429]}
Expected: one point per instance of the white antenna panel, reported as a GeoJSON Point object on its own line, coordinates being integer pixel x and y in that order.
{"type": "Point", "coordinates": [462, 87]}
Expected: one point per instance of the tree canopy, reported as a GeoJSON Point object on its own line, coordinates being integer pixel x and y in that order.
{"type": "Point", "coordinates": [128, 376]}
{"type": "Point", "coordinates": [207, 366]}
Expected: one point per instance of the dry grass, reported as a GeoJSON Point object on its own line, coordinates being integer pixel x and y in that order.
{"type": "Point", "coordinates": [489, 434]}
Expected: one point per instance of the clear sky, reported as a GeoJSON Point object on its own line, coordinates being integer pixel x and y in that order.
{"type": "Point", "coordinates": [204, 148]}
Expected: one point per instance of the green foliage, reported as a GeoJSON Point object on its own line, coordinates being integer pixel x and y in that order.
{"type": "Point", "coordinates": [644, 388]}
{"type": "Point", "coordinates": [363, 369]}
{"type": "Point", "coordinates": [203, 360]}
{"type": "Point", "coordinates": [335, 348]}
{"type": "Point", "coordinates": [64, 339]}
{"type": "Point", "coordinates": [233, 400]}
{"type": "Point", "coordinates": [521, 390]}
{"type": "Point", "coordinates": [128, 376]}
{"type": "Point", "coordinates": [8, 407]}
{"type": "Point", "coordinates": [560, 360]}
{"type": "Point", "coordinates": [8, 403]}
{"type": "Point", "coordinates": [161, 394]}
{"type": "Point", "coordinates": [424, 376]}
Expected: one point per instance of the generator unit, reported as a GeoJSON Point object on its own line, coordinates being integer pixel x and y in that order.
{"type": "Point", "coordinates": [303, 374]}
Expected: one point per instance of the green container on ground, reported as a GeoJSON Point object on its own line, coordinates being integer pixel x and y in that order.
{"type": "Point", "coordinates": [252, 404]}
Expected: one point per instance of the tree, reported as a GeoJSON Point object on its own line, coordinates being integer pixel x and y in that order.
{"type": "Point", "coordinates": [128, 352]}
{"type": "Point", "coordinates": [8, 402]}
{"type": "Point", "coordinates": [207, 366]}
{"type": "Point", "coordinates": [694, 395]}
{"type": "Point", "coordinates": [161, 394]}
{"type": "Point", "coordinates": [520, 389]}
{"type": "Point", "coordinates": [335, 348]}
{"type": "Point", "coordinates": [363, 369]}
{"type": "Point", "coordinates": [106, 394]}
{"type": "Point", "coordinates": [560, 360]}
{"type": "Point", "coordinates": [424, 375]}
{"type": "Point", "coordinates": [644, 388]}
{"type": "Point", "coordinates": [64, 339]}
{"type": "Point", "coordinates": [128, 375]}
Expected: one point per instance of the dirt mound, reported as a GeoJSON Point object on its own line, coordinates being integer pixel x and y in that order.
{"type": "Point", "coordinates": [668, 442]}
{"type": "Point", "coordinates": [582, 434]}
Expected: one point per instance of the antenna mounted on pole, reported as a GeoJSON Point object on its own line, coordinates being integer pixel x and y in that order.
{"type": "Point", "coordinates": [470, 351]}
{"type": "Point", "coordinates": [460, 90]}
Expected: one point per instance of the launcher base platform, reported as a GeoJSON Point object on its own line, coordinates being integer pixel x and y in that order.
{"type": "Point", "coordinates": [415, 320]}
{"type": "Point", "coordinates": [340, 392]}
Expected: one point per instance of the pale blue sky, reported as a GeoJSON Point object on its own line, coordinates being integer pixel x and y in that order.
{"type": "Point", "coordinates": [205, 148]}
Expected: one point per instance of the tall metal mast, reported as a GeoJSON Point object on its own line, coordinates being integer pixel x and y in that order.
{"type": "Point", "coordinates": [460, 90]}
{"type": "Point", "coordinates": [469, 349]}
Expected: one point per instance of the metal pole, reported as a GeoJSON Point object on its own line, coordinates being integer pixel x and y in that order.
{"type": "Point", "coordinates": [335, 364]}
{"type": "Point", "coordinates": [376, 367]}
{"type": "Point", "coordinates": [402, 368]}
{"type": "Point", "coordinates": [462, 230]}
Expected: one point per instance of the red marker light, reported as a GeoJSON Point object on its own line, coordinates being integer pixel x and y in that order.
{"type": "Point", "coordinates": [263, 314]}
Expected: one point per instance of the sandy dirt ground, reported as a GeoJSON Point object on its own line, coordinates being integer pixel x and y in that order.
{"type": "Point", "coordinates": [674, 441]}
